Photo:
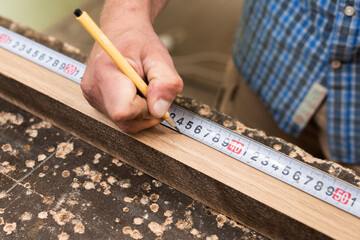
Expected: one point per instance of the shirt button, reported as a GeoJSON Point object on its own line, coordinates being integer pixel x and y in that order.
{"type": "Point", "coordinates": [335, 64]}
{"type": "Point", "coordinates": [349, 11]}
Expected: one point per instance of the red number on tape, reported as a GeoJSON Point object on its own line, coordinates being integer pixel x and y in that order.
{"type": "Point", "coordinates": [4, 38]}
{"type": "Point", "coordinates": [70, 69]}
{"type": "Point", "coordinates": [341, 196]}
{"type": "Point", "coordinates": [235, 146]}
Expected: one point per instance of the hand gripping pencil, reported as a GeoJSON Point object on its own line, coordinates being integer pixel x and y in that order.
{"type": "Point", "coordinates": [116, 56]}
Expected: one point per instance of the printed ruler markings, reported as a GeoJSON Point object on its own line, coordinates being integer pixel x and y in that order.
{"type": "Point", "coordinates": [297, 174]}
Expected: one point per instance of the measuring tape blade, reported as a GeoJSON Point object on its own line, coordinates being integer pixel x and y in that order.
{"type": "Point", "coordinates": [295, 173]}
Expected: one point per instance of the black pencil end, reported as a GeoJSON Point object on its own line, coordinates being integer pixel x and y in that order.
{"type": "Point", "coordinates": [77, 12]}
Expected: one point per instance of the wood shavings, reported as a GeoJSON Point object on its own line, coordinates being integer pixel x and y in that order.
{"type": "Point", "coordinates": [79, 228]}
{"type": "Point", "coordinates": [3, 194]}
{"type": "Point", "coordinates": [86, 171]}
{"type": "Point", "coordinates": [117, 162]}
{"type": "Point", "coordinates": [62, 217]}
{"type": "Point", "coordinates": [71, 202]}
{"type": "Point", "coordinates": [156, 183]}
{"type": "Point", "coordinates": [128, 199]}
{"type": "Point", "coordinates": [48, 200]}
{"type": "Point", "coordinates": [168, 213]}
{"type": "Point", "coordinates": [138, 221]}
{"type": "Point", "coordinates": [227, 124]}
{"type": "Point", "coordinates": [5, 167]}
{"type": "Point", "coordinates": [42, 124]}
{"type": "Point", "coordinates": [154, 207]}
{"type": "Point", "coordinates": [63, 236]}
{"type": "Point", "coordinates": [168, 221]}
{"type": "Point", "coordinates": [156, 228]}
{"type": "Point", "coordinates": [26, 216]}
{"type": "Point", "coordinates": [187, 223]}
{"type": "Point", "coordinates": [212, 237]}
{"type": "Point", "coordinates": [88, 185]}
{"type": "Point", "coordinates": [9, 228]}
{"type": "Point", "coordinates": [111, 180]}
{"type": "Point", "coordinates": [32, 133]}
{"type": "Point", "coordinates": [221, 220]}
{"type": "Point", "coordinates": [50, 149]}
{"type": "Point", "coordinates": [41, 157]}
{"type": "Point", "coordinates": [107, 192]}
{"type": "Point", "coordinates": [146, 186]}
{"type": "Point", "coordinates": [195, 232]}
{"type": "Point", "coordinates": [125, 184]}
{"type": "Point", "coordinates": [79, 152]}
{"type": "Point", "coordinates": [154, 197]}
{"type": "Point", "coordinates": [277, 147]}
{"type": "Point", "coordinates": [1, 221]}
{"type": "Point", "coordinates": [42, 215]}
{"type": "Point", "coordinates": [233, 223]}
{"type": "Point", "coordinates": [135, 234]}
{"type": "Point", "coordinates": [205, 110]}
{"type": "Point", "coordinates": [144, 200]}
{"type": "Point", "coordinates": [138, 173]}
{"type": "Point", "coordinates": [27, 147]}
{"type": "Point", "coordinates": [96, 158]}
{"type": "Point", "coordinates": [292, 154]}
{"type": "Point", "coordinates": [75, 185]}
{"type": "Point", "coordinates": [71, 48]}
{"type": "Point", "coordinates": [6, 117]}
{"type": "Point", "coordinates": [6, 147]}
{"type": "Point", "coordinates": [30, 163]}
{"type": "Point", "coordinates": [64, 149]}
{"type": "Point", "coordinates": [65, 173]}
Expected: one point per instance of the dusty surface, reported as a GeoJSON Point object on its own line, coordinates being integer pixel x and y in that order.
{"type": "Point", "coordinates": [71, 190]}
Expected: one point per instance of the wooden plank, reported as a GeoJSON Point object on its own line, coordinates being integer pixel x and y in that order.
{"type": "Point", "coordinates": [271, 207]}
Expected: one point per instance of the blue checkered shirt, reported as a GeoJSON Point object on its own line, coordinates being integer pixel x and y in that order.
{"type": "Point", "coordinates": [284, 47]}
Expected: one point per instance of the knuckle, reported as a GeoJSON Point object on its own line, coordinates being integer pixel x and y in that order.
{"type": "Point", "coordinates": [176, 84]}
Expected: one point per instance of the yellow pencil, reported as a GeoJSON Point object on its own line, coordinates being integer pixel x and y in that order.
{"type": "Point", "coordinates": [116, 56]}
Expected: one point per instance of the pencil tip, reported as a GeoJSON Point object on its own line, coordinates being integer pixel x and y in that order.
{"type": "Point", "coordinates": [177, 129]}
{"type": "Point", "coordinates": [170, 121]}
{"type": "Point", "coordinates": [77, 12]}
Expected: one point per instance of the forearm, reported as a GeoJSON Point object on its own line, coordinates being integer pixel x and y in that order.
{"type": "Point", "coordinates": [127, 13]}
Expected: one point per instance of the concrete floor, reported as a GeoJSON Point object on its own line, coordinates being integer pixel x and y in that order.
{"type": "Point", "coordinates": [203, 32]}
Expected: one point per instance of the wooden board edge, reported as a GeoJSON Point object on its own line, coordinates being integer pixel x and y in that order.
{"type": "Point", "coordinates": [195, 184]}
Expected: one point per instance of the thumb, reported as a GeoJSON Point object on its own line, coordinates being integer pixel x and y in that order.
{"type": "Point", "coordinates": [164, 84]}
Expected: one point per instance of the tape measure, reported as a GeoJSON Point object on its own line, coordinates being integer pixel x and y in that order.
{"type": "Point", "coordinates": [295, 173]}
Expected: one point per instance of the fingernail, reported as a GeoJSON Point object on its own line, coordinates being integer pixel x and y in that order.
{"type": "Point", "coordinates": [160, 107]}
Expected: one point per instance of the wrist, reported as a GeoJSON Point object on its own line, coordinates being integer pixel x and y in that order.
{"type": "Point", "coordinates": [127, 11]}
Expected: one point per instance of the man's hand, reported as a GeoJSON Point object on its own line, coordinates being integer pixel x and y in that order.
{"type": "Point", "coordinates": [128, 24]}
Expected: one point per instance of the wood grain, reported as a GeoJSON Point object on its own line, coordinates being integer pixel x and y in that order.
{"type": "Point", "coordinates": [269, 206]}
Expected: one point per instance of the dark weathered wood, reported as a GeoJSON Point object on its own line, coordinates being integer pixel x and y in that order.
{"type": "Point", "coordinates": [103, 207]}
{"type": "Point", "coordinates": [194, 183]}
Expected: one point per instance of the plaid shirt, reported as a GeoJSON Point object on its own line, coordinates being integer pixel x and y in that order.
{"type": "Point", "coordinates": [283, 48]}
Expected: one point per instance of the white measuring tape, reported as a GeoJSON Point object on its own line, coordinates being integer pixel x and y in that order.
{"type": "Point", "coordinates": [297, 174]}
